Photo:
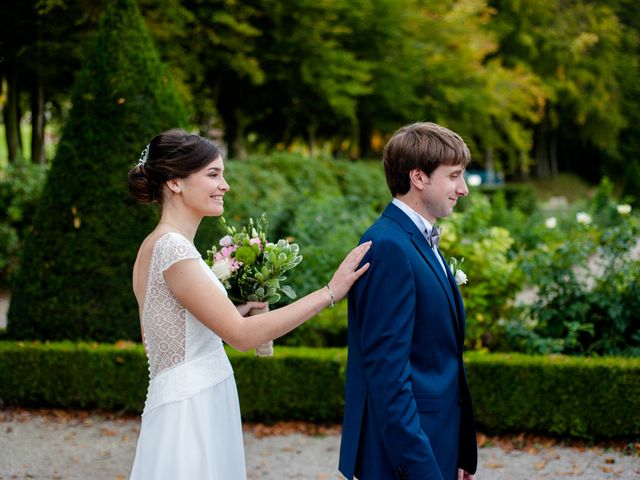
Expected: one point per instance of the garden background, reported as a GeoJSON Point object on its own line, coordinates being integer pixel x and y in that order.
{"type": "Point", "coordinates": [302, 96]}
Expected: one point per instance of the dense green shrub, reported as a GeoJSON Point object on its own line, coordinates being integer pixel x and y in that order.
{"type": "Point", "coordinates": [327, 329]}
{"type": "Point", "coordinates": [312, 202]}
{"type": "Point", "coordinates": [326, 229]}
{"type": "Point", "coordinates": [75, 279]}
{"type": "Point", "coordinates": [587, 398]}
{"type": "Point", "coordinates": [254, 190]}
{"type": "Point", "coordinates": [493, 275]}
{"type": "Point", "coordinates": [20, 187]}
{"type": "Point", "coordinates": [73, 375]}
{"type": "Point", "coordinates": [587, 286]}
{"type": "Point", "coordinates": [568, 396]}
{"type": "Point", "coordinates": [521, 197]}
{"type": "Point", "coordinates": [295, 384]}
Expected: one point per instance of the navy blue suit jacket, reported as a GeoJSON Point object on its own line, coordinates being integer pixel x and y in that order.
{"type": "Point", "coordinates": [408, 411]}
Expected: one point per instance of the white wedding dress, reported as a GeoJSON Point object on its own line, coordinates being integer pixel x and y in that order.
{"type": "Point", "coordinates": [191, 427]}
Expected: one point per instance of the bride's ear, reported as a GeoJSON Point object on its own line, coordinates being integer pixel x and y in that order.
{"type": "Point", "coordinates": [174, 185]}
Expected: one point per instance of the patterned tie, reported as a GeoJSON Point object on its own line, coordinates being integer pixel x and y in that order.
{"type": "Point", "coordinates": [434, 238]}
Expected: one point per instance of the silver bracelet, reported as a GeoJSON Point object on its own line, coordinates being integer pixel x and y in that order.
{"type": "Point", "coordinates": [333, 299]}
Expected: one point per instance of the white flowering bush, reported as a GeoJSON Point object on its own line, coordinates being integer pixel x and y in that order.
{"type": "Point", "coordinates": [587, 284]}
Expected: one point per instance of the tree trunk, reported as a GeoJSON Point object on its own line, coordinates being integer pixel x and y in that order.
{"type": "Point", "coordinates": [312, 129]}
{"type": "Point", "coordinates": [553, 153]}
{"type": "Point", "coordinates": [354, 148]}
{"type": "Point", "coordinates": [489, 166]}
{"type": "Point", "coordinates": [542, 149]}
{"type": "Point", "coordinates": [37, 123]}
{"type": "Point", "coordinates": [10, 111]}
{"type": "Point", "coordinates": [524, 166]}
{"type": "Point", "coordinates": [365, 133]}
{"type": "Point", "coordinates": [235, 125]}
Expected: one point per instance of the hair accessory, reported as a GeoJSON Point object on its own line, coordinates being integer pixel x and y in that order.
{"type": "Point", "coordinates": [144, 156]}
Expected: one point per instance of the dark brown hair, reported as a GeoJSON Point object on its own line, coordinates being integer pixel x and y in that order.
{"type": "Point", "coordinates": [425, 146]}
{"type": "Point", "coordinates": [172, 154]}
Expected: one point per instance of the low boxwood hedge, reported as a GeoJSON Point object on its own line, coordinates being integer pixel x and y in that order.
{"type": "Point", "coordinates": [590, 398]}
{"type": "Point", "coordinates": [569, 396]}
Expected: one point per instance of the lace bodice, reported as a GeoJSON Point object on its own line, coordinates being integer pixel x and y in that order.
{"type": "Point", "coordinates": [171, 334]}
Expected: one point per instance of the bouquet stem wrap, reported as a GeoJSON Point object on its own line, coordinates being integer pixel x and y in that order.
{"type": "Point", "coordinates": [266, 349]}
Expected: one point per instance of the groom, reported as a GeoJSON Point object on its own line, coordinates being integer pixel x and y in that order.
{"type": "Point", "coordinates": [408, 412]}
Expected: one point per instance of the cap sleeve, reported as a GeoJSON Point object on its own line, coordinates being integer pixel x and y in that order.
{"type": "Point", "coordinates": [173, 247]}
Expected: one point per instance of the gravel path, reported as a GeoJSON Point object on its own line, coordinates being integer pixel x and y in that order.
{"type": "Point", "coordinates": [56, 445]}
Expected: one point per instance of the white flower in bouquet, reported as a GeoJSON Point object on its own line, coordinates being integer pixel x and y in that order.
{"type": "Point", "coordinates": [252, 268]}
{"type": "Point", "coordinates": [583, 218]}
{"type": "Point", "coordinates": [222, 268]}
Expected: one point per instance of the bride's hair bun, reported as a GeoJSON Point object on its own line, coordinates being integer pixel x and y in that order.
{"type": "Point", "coordinates": [172, 154]}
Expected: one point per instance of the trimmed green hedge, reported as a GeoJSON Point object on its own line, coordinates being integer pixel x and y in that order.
{"type": "Point", "coordinates": [591, 398]}
{"type": "Point", "coordinates": [570, 396]}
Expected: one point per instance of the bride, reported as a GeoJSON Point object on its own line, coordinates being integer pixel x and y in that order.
{"type": "Point", "coordinates": [191, 426]}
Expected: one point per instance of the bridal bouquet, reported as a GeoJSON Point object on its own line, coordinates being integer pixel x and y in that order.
{"type": "Point", "coordinates": [251, 267]}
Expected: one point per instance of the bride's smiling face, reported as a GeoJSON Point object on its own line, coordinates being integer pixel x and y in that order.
{"type": "Point", "coordinates": [203, 191]}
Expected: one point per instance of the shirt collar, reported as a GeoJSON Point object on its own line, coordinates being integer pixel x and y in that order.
{"type": "Point", "coordinates": [420, 222]}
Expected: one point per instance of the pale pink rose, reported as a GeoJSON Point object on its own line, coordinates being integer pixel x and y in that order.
{"type": "Point", "coordinates": [256, 241]}
{"type": "Point", "coordinates": [226, 241]}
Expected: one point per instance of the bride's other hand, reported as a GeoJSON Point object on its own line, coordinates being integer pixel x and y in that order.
{"type": "Point", "coordinates": [348, 271]}
{"type": "Point", "coordinates": [245, 308]}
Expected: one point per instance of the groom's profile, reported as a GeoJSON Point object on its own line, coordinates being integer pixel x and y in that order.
{"type": "Point", "coordinates": [408, 412]}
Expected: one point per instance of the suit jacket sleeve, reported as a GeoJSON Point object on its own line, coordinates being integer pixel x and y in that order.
{"type": "Point", "coordinates": [385, 300]}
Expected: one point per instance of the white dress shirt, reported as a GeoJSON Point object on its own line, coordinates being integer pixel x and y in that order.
{"type": "Point", "coordinates": [423, 225]}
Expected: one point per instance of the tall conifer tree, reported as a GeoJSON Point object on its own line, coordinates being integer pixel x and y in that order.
{"type": "Point", "coordinates": [75, 279]}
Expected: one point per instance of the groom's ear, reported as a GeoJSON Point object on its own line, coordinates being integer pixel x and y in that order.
{"type": "Point", "coordinates": [418, 178]}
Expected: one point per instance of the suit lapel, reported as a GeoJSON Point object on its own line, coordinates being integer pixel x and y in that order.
{"type": "Point", "coordinates": [458, 299]}
{"type": "Point", "coordinates": [420, 242]}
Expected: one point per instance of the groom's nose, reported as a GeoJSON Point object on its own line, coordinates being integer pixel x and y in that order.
{"type": "Point", "coordinates": [461, 188]}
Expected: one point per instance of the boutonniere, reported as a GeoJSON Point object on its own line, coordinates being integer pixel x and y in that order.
{"type": "Point", "coordinates": [458, 274]}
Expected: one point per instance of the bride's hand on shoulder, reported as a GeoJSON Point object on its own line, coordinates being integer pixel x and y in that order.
{"type": "Point", "coordinates": [245, 308]}
{"type": "Point", "coordinates": [348, 271]}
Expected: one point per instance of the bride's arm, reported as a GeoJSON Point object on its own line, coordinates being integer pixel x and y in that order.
{"type": "Point", "coordinates": [194, 289]}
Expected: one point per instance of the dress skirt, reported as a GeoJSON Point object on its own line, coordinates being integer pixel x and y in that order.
{"type": "Point", "coordinates": [197, 438]}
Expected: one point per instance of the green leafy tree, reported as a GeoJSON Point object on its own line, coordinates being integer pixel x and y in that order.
{"type": "Point", "coordinates": [577, 50]}
{"type": "Point", "coordinates": [76, 267]}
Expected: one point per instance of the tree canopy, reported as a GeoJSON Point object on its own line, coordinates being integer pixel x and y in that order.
{"type": "Point", "coordinates": [551, 84]}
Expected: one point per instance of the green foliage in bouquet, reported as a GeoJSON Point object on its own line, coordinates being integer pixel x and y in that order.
{"type": "Point", "coordinates": [250, 267]}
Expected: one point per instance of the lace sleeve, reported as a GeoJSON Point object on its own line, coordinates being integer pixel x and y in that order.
{"type": "Point", "coordinates": [173, 247]}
